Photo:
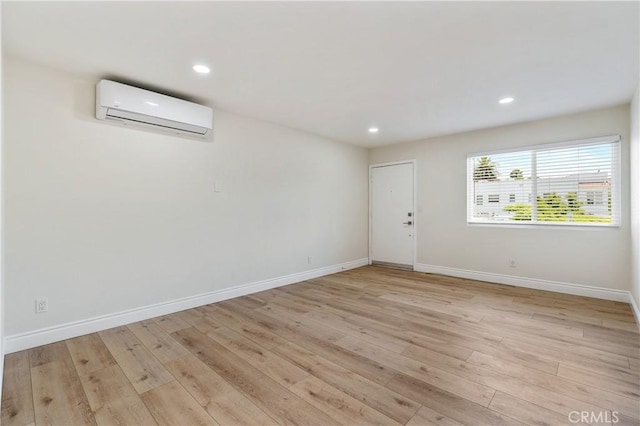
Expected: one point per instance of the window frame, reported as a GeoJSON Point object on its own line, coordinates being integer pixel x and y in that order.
{"type": "Point", "coordinates": [616, 173]}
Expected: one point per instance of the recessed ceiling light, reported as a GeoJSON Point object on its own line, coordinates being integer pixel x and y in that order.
{"type": "Point", "coordinates": [202, 69]}
{"type": "Point", "coordinates": [373, 130]}
{"type": "Point", "coordinates": [506, 100]}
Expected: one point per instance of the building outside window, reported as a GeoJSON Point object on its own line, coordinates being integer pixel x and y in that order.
{"type": "Point", "coordinates": [572, 183]}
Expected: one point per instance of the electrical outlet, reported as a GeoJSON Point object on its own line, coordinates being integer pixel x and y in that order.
{"type": "Point", "coordinates": [42, 305]}
{"type": "Point", "coordinates": [512, 263]}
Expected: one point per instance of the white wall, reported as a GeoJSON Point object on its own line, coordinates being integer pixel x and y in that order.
{"type": "Point", "coordinates": [101, 219]}
{"type": "Point", "coordinates": [1, 224]}
{"type": "Point", "coordinates": [592, 257]}
{"type": "Point", "coordinates": [635, 197]}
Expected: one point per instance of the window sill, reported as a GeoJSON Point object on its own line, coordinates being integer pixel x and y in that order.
{"type": "Point", "coordinates": [583, 227]}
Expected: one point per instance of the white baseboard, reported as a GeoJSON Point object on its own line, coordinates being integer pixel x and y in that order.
{"type": "Point", "coordinates": [43, 336]}
{"type": "Point", "coordinates": [558, 287]}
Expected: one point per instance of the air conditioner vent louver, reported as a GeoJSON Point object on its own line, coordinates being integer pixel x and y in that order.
{"type": "Point", "coordinates": [147, 119]}
{"type": "Point", "coordinates": [142, 108]}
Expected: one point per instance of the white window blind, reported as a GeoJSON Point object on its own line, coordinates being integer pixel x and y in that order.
{"type": "Point", "coordinates": [568, 183]}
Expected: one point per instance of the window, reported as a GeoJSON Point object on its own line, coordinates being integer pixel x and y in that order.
{"type": "Point", "coordinates": [569, 183]}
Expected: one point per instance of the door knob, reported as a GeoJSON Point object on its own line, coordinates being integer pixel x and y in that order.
{"type": "Point", "coordinates": [407, 223]}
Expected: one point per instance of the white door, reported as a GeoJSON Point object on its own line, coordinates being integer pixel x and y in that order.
{"type": "Point", "coordinates": [392, 215]}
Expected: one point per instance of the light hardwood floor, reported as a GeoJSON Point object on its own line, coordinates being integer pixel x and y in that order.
{"type": "Point", "coordinates": [367, 346]}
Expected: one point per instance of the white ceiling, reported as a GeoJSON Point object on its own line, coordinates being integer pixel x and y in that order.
{"type": "Point", "coordinates": [413, 69]}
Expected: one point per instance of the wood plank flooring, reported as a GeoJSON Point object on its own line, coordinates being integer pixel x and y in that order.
{"type": "Point", "coordinates": [367, 346]}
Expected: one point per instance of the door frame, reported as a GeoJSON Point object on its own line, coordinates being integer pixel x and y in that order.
{"type": "Point", "coordinates": [414, 201]}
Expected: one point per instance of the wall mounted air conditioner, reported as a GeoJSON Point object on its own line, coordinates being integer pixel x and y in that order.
{"type": "Point", "coordinates": [136, 107]}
